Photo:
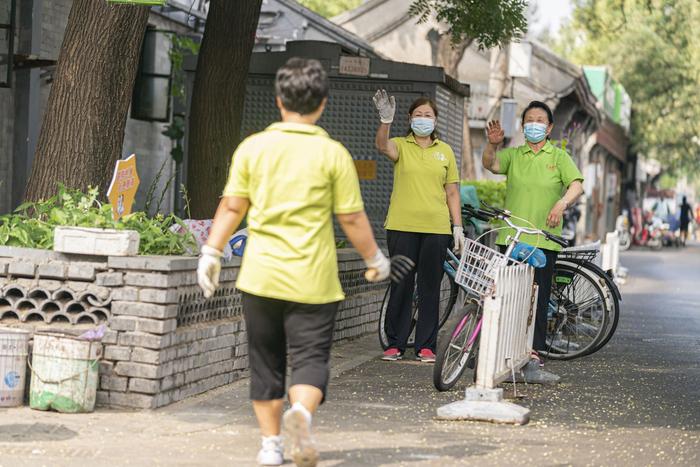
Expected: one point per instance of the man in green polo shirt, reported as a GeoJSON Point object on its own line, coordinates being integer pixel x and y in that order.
{"type": "Point", "coordinates": [542, 182]}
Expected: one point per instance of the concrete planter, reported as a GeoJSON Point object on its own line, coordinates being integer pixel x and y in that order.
{"type": "Point", "coordinates": [90, 241]}
{"type": "Point", "coordinates": [165, 342]}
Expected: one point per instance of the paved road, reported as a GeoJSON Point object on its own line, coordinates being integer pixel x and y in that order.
{"type": "Point", "coordinates": [636, 402]}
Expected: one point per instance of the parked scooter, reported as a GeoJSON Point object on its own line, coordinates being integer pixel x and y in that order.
{"type": "Point", "coordinates": [651, 234]}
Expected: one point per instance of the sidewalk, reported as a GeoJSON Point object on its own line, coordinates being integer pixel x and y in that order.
{"type": "Point", "coordinates": [633, 403]}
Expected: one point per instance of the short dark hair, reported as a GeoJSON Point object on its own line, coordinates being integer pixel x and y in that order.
{"type": "Point", "coordinates": [538, 105]}
{"type": "Point", "coordinates": [423, 100]}
{"type": "Point", "coordinates": [301, 84]}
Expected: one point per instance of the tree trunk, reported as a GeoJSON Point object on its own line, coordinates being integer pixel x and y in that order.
{"type": "Point", "coordinates": [449, 56]}
{"type": "Point", "coordinates": [82, 132]}
{"type": "Point", "coordinates": [467, 170]}
{"type": "Point", "coordinates": [217, 99]}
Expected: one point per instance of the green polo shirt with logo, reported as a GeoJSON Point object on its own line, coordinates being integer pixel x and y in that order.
{"type": "Point", "coordinates": [295, 177]}
{"type": "Point", "coordinates": [419, 201]}
{"type": "Point", "coordinates": [535, 183]}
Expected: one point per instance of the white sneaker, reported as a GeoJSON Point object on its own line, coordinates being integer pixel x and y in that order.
{"type": "Point", "coordinates": [297, 422]}
{"type": "Point", "coordinates": [272, 451]}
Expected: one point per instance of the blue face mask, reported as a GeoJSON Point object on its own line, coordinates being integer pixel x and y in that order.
{"type": "Point", "coordinates": [422, 126]}
{"type": "Point", "coordinates": [535, 132]}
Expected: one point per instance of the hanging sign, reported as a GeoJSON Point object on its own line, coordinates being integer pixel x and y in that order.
{"type": "Point", "coordinates": [356, 66]}
{"type": "Point", "coordinates": [122, 190]}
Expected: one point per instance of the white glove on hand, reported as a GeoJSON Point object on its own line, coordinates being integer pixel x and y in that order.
{"type": "Point", "coordinates": [385, 105]}
{"type": "Point", "coordinates": [458, 236]}
{"type": "Point", "coordinates": [208, 270]}
{"type": "Point", "coordinates": [378, 267]}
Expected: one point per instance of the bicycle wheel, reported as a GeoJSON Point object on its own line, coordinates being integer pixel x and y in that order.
{"type": "Point", "coordinates": [613, 298]}
{"type": "Point", "coordinates": [448, 298]}
{"type": "Point", "coordinates": [577, 315]}
{"type": "Point", "coordinates": [455, 353]}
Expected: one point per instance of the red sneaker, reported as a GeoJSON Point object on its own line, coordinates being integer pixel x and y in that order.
{"type": "Point", "coordinates": [392, 354]}
{"type": "Point", "coordinates": [426, 356]}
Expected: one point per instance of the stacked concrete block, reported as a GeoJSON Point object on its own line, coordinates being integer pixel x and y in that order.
{"type": "Point", "coordinates": [165, 341]}
{"type": "Point", "coordinates": [43, 289]}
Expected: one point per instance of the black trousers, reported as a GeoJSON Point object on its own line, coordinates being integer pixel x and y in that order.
{"type": "Point", "coordinates": [543, 279]}
{"type": "Point", "coordinates": [428, 251]}
{"type": "Point", "coordinates": [276, 327]}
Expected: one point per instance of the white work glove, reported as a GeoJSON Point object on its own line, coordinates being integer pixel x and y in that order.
{"type": "Point", "coordinates": [208, 270]}
{"type": "Point", "coordinates": [378, 267]}
{"type": "Point", "coordinates": [385, 105]}
{"type": "Point", "coordinates": [458, 236]}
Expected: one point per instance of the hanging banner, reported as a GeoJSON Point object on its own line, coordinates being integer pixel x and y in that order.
{"type": "Point", "coordinates": [122, 189]}
{"type": "Point", "coordinates": [140, 2]}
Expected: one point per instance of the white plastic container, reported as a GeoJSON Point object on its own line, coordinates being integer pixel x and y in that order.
{"type": "Point", "coordinates": [65, 373]}
{"type": "Point", "coordinates": [14, 347]}
{"type": "Point", "coordinates": [97, 242]}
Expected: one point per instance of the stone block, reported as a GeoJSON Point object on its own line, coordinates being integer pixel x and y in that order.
{"type": "Point", "coordinates": [146, 386]}
{"type": "Point", "coordinates": [91, 241]}
{"type": "Point", "coordinates": [52, 270]}
{"type": "Point", "coordinates": [117, 352]}
{"type": "Point", "coordinates": [137, 370]}
{"type": "Point", "coordinates": [114, 383]}
{"type": "Point", "coordinates": [142, 339]}
{"type": "Point", "coordinates": [131, 400]}
{"type": "Point", "coordinates": [141, 355]}
{"type": "Point", "coordinates": [102, 399]}
{"type": "Point", "coordinates": [21, 268]}
{"type": "Point", "coordinates": [144, 310]}
{"type": "Point", "coordinates": [164, 296]}
{"type": "Point", "coordinates": [156, 326]}
{"type": "Point", "coordinates": [144, 279]}
{"type": "Point", "coordinates": [153, 263]}
{"type": "Point", "coordinates": [106, 368]}
{"type": "Point", "coordinates": [3, 268]}
{"type": "Point", "coordinates": [110, 279]}
{"type": "Point", "coordinates": [122, 323]}
{"type": "Point", "coordinates": [81, 271]}
{"type": "Point", "coordinates": [126, 294]}
{"type": "Point", "coordinates": [110, 337]}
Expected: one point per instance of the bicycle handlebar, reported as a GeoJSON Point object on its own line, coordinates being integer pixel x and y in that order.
{"type": "Point", "coordinates": [494, 213]}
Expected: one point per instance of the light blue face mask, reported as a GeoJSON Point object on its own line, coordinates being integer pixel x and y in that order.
{"type": "Point", "coordinates": [422, 126]}
{"type": "Point", "coordinates": [535, 132]}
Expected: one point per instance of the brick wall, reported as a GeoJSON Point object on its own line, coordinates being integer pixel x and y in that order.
{"type": "Point", "coordinates": [165, 341]}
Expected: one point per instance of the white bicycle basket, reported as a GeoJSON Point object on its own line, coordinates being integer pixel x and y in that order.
{"type": "Point", "coordinates": [478, 266]}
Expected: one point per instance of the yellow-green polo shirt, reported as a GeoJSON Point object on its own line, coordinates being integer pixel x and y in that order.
{"type": "Point", "coordinates": [295, 177]}
{"type": "Point", "coordinates": [535, 183]}
{"type": "Point", "coordinates": [418, 201]}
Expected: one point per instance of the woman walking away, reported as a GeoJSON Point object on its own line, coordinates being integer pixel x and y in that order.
{"type": "Point", "coordinates": [538, 173]}
{"type": "Point", "coordinates": [290, 179]}
{"type": "Point", "coordinates": [686, 216]}
{"type": "Point", "coordinates": [424, 198]}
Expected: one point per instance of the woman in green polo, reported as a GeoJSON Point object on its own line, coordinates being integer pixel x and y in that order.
{"type": "Point", "coordinates": [424, 198]}
{"type": "Point", "coordinates": [538, 173]}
